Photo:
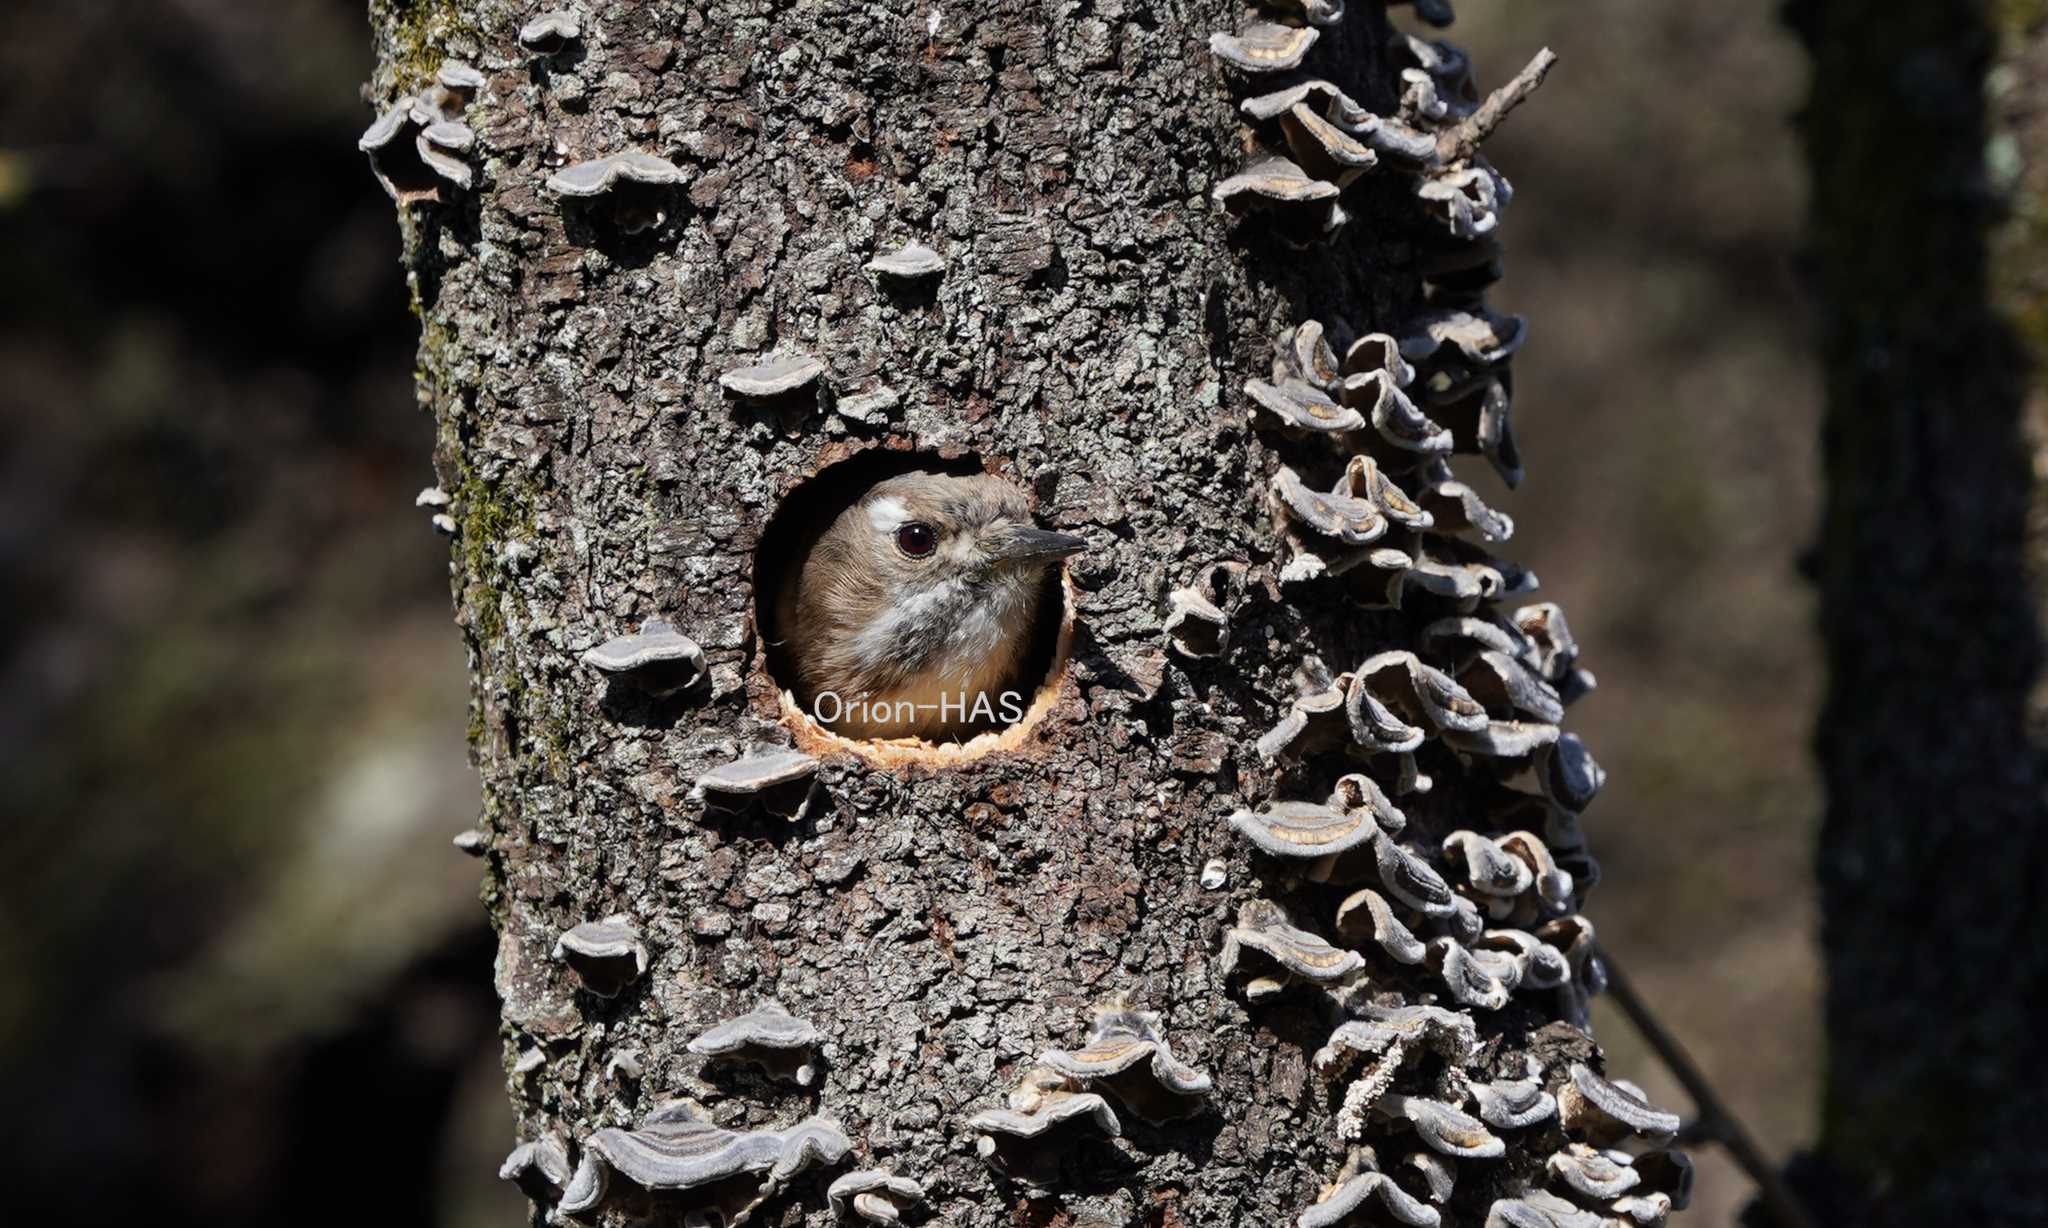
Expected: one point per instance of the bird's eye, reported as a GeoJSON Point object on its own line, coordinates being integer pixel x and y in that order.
{"type": "Point", "coordinates": [917, 540]}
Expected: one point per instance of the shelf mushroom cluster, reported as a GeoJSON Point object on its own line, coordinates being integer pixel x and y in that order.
{"type": "Point", "coordinates": [1434, 928]}
{"type": "Point", "coordinates": [417, 146]}
{"type": "Point", "coordinates": [677, 1162]}
{"type": "Point", "coordinates": [1456, 926]}
{"type": "Point", "coordinates": [1064, 1099]}
{"type": "Point", "coordinates": [1313, 140]}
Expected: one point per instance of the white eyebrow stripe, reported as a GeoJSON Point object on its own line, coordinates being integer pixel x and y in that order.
{"type": "Point", "coordinates": [887, 512]}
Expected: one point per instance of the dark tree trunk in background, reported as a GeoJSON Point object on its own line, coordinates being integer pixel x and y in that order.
{"type": "Point", "coordinates": [1928, 250]}
{"type": "Point", "coordinates": [1090, 337]}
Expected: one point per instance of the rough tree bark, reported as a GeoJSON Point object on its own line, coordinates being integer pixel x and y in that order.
{"type": "Point", "coordinates": [1934, 846]}
{"type": "Point", "coordinates": [1092, 337]}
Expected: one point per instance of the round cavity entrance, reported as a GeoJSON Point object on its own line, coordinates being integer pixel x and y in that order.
{"type": "Point", "coordinates": [995, 714]}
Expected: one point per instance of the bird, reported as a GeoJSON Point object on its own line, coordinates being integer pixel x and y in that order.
{"type": "Point", "coordinates": [913, 614]}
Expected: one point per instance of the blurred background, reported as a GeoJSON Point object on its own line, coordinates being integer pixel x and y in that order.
{"type": "Point", "coordinates": [232, 702]}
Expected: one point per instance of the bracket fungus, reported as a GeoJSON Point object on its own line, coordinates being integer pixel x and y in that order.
{"type": "Point", "coordinates": [1444, 1129]}
{"type": "Point", "coordinates": [1304, 830]}
{"type": "Point", "coordinates": [777, 376]}
{"type": "Point", "coordinates": [1338, 515]}
{"type": "Point", "coordinates": [1541, 1209]}
{"type": "Point", "coordinates": [781, 782]}
{"type": "Point", "coordinates": [1538, 965]}
{"type": "Point", "coordinates": [548, 33]}
{"type": "Point", "coordinates": [1553, 886]}
{"type": "Point", "coordinates": [1264, 46]}
{"type": "Point", "coordinates": [1396, 699]}
{"type": "Point", "coordinates": [1483, 702]}
{"type": "Point", "coordinates": [471, 842]}
{"type": "Point", "coordinates": [1606, 1112]}
{"type": "Point", "coordinates": [1554, 649]}
{"type": "Point", "coordinates": [1649, 1210]}
{"type": "Point", "coordinates": [631, 186]}
{"type": "Point", "coordinates": [1330, 102]}
{"type": "Point", "coordinates": [440, 146]}
{"type": "Point", "coordinates": [657, 659]}
{"type": "Point", "coordinates": [1567, 774]}
{"type": "Point", "coordinates": [1505, 685]}
{"type": "Point", "coordinates": [1026, 1140]}
{"type": "Point", "coordinates": [1305, 205]}
{"type": "Point", "coordinates": [1482, 338]}
{"type": "Point", "coordinates": [874, 1194]}
{"type": "Point", "coordinates": [1363, 1195]}
{"type": "Point", "coordinates": [605, 955]}
{"type": "Point", "coordinates": [1368, 907]}
{"type": "Point", "coordinates": [1198, 615]}
{"type": "Point", "coordinates": [1322, 148]}
{"type": "Point", "coordinates": [540, 1168]}
{"type": "Point", "coordinates": [412, 151]}
{"type": "Point", "coordinates": [1299, 407]}
{"type": "Point", "coordinates": [1592, 1173]}
{"type": "Point", "coordinates": [910, 261]}
{"type": "Point", "coordinates": [1411, 880]}
{"type": "Point", "coordinates": [458, 75]}
{"type": "Point", "coordinates": [1281, 954]}
{"type": "Point", "coordinates": [1482, 982]}
{"type": "Point", "coordinates": [1398, 1030]}
{"type": "Point", "coordinates": [1489, 869]}
{"type": "Point", "coordinates": [1438, 1176]}
{"type": "Point", "coordinates": [709, 1170]}
{"type": "Point", "coordinates": [1504, 739]}
{"type": "Point", "coordinates": [1127, 1055]}
{"type": "Point", "coordinates": [768, 1037]}
{"type": "Point", "coordinates": [1314, 719]}
{"type": "Point", "coordinates": [1511, 1104]}
{"type": "Point", "coordinates": [1573, 935]}
{"type": "Point", "coordinates": [1357, 812]}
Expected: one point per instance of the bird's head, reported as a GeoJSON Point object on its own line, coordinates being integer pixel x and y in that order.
{"type": "Point", "coordinates": [930, 572]}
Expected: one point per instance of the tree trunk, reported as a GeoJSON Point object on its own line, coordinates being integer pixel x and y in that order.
{"type": "Point", "coordinates": [943, 921]}
{"type": "Point", "coordinates": [1934, 846]}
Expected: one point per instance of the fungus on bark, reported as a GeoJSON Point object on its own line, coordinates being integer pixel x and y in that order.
{"type": "Point", "coordinates": [657, 659]}
{"type": "Point", "coordinates": [1513, 1104]}
{"type": "Point", "coordinates": [1606, 1112]}
{"type": "Point", "coordinates": [539, 1167]}
{"type": "Point", "coordinates": [548, 33]}
{"type": "Point", "coordinates": [627, 189]}
{"type": "Point", "coordinates": [909, 262]}
{"type": "Point", "coordinates": [1264, 46]}
{"type": "Point", "coordinates": [1277, 954]}
{"type": "Point", "coordinates": [1044, 1122]}
{"type": "Point", "coordinates": [606, 955]}
{"type": "Point", "coordinates": [1444, 1128]}
{"type": "Point", "coordinates": [874, 1194]}
{"type": "Point", "coordinates": [695, 1168]}
{"type": "Point", "coordinates": [1363, 1195]}
{"type": "Point", "coordinates": [1127, 1055]}
{"type": "Point", "coordinates": [777, 376]}
{"type": "Point", "coordinates": [782, 783]}
{"type": "Point", "coordinates": [768, 1037]}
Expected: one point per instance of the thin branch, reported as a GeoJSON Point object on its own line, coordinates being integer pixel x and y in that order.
{"type": "Point", "coordinates": [1715, 1121]}
{"type": "Point", "coordinates": [1461, 140]}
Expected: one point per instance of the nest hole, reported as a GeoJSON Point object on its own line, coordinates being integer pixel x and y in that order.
{"type": "Point", "coordinates": [803, 516]}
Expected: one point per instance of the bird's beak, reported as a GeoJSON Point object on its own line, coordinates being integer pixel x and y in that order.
{"type": "Point", "coordinates": [1025, 544]}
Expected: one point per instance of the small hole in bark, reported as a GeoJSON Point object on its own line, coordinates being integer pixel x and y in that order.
{"type": "Point", "coordinates": [804, 516]}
